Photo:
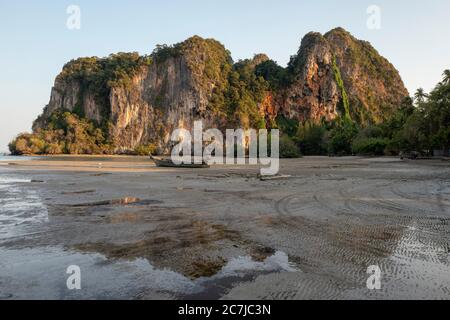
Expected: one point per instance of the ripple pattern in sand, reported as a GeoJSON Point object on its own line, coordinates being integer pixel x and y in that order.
{"type": "Point", "coordinates": [406, 234]}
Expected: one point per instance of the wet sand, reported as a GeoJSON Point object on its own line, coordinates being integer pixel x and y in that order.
{"type": "Point", "coordinates": [141, 232]}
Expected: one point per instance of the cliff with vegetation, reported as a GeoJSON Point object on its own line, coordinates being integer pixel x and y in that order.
{"type": "Point", "coordinates": [127, 103]}
{"type": "Point", "coordinates": [336, 75]}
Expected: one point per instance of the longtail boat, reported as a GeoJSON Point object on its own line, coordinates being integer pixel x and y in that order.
{"type": "Point", "coordinates": [168, 163]}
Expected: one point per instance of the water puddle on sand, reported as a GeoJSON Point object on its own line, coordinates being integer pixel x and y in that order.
{"type": "Point", "coordinates": [237, 271]}
{"type": "Point", "coordinates": [421, 265]}
{"type": "Point", "coordinates": [40, 273]}
{"type": "Point", "coordinates": [20, 207]}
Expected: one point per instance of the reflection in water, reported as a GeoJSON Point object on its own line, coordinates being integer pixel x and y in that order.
{"type": "Point", "coordinates": [40, 273]}
{"type": "Point", "coordinates": [20, 207]}
{"type": "Point", "coordinates": [333, 237]}
{"type": "Point", "coordinates": [44, 276]}
{"type": "Point", "coordinates": [239, 270]}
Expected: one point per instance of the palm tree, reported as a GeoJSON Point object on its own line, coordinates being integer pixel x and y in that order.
{"type": "Point", "coordinates": [420, 95]}
{"type": "Point", "coordinates": [446, 76]}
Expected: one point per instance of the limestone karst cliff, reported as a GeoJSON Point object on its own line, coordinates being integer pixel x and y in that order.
{"type": "Point", "coordinates": [127, 100]}
{"type": "Point", "coordinates": [336, 74]}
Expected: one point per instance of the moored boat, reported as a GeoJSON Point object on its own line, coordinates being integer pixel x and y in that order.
{"type": "Point", "coordinates": [168, 163]}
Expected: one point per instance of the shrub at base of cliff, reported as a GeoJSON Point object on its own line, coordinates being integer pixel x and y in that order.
{"type": "Point", "coordinates": [311, 138]}
{"type": "Point", "coordinates": [145, 150]}
{"type": "Point", "coordinates": [66, 134]}
{"type": "Point", "coordinates": [288, 148]}
{"type": "Point", "coordinates": [370, 141]}
{"type": "Point", "coordinates": [26, 144]}
{"type": "Point", "coordinates": [370, 146]}
{"type": "Point", "coordinates": [288, 126]}
{"type": "Point", "coordinates": [341, 137]}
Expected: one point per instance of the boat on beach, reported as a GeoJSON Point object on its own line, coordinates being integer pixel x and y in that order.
{"type": "Point", "coordinates": [168, 163]}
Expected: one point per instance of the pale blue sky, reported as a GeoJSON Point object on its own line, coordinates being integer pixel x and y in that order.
{"type": "Point", "coordinates": [35, 42]}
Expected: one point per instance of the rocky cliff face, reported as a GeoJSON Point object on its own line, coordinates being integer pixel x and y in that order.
{"type": "Point", "coordinates": [168, 93]}
{"type": "Point", "coordinates": [313, 92]}
{"type": "Point", "coordinates": [140, 100]}
{"type": "Point", "coordinates": [336, 74]}
{"type": "Point", "coordinates": [372, 84]}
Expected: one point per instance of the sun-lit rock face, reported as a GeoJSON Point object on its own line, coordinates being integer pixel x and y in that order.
{"type": "Point", "coordinates": [138, 100]}
{"type": "Point", "coordinates": [372, 83]}
{"type": "Point", "coordinates": [313, 93]}
{"type": "Point", "coordinates": [336, 73]}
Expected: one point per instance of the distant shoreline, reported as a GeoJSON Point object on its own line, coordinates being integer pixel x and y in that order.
{"type": "Point", "coordinates": [72, 155]}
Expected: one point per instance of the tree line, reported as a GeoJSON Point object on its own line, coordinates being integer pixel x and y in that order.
{"type": "Point", "coordinates": [420, 123]}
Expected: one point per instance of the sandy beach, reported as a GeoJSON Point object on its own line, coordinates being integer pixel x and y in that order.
{"type": "Point", "coordinates": [141, 232]}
